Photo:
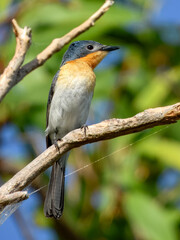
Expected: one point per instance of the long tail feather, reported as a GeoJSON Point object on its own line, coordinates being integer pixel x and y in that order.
{"type": "Point", "coordinates": [54, 202]}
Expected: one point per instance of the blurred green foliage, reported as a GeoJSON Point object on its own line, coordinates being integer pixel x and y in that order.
{"type": "Point", "coordinates": [119, 197]}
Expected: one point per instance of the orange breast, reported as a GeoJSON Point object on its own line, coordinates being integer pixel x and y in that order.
{"type": "Point", "coordinates": [77, 73]}
{"type": "Point", "coordinates": [93, 59]}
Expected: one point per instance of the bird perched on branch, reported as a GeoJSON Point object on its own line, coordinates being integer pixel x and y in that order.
{"type": "Point", "coordinates": [68, 107]}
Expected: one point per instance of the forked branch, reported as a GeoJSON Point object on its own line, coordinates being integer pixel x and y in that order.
{"type": "Point", "coordinates": [9, 77]}
{"type": "Point", "coordinates": [15, 72]}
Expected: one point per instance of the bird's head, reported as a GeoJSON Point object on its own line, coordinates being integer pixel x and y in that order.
{"type": "Point", "coordinates": [90, 51]}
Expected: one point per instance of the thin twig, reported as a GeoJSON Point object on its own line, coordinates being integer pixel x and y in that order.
{"type": "Point", "coordinates": [14, 73]}
{"type": "Point", "coordinates": [9, 77]}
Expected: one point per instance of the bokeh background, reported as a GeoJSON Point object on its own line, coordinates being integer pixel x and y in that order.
{"type": "Point", "coordinates": [131, 191]}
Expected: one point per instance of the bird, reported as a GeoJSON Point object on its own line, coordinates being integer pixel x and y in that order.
{"type": "Point", "coordinates": [68, 106]}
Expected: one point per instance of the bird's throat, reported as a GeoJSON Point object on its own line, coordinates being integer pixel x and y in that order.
{"type": "Point", "coordinates": [93, 59]}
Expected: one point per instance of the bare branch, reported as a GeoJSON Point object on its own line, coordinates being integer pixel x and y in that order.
{"type": "Point", "coordinates": [9, 77]}
{"type": "Point", "coordinates": [12, 198]}
{"type": "Point", "coordinates": [107, 129]}
{"type": "Point", "coordinates": [14, 73]}
{"type": "Point", "coordinates": [58, 43]}
{"type": "Point", "coordinates": [62, 227]}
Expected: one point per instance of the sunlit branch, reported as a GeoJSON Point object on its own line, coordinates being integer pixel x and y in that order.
{"type": "Point", "coordinates": [12, 198]}
{"type": "Point", "coordinates": [15, 72]}
{"type": "Point", "coordinates": [9, 77]}
{"type": "Point", "coordinates": [107, 129]}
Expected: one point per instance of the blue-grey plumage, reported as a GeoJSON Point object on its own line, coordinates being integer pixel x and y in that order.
{"type": "Point", "coordinates": [68, 107]}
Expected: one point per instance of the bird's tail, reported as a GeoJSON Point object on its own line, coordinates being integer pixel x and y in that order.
{"type": "Point", "coordinates": [54, 201]}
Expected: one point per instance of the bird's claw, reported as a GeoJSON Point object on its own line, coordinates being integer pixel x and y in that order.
{"type": "Point", "coordinates": [85, 127]}
{"type": "Point", "coordinates": [56, 141]}
{"type": "Point", "coordinates": [56, 146]}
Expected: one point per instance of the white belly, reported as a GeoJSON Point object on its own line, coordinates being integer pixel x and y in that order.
{"type": "Point", "coordinates": [69, 108]}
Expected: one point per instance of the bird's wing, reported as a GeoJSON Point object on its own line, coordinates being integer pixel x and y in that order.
{"type": "Point", "coordinates": [51, 93]}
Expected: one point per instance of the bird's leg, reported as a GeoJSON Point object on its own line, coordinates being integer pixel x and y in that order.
{"type": "Point", "coordinates": [55, 139]}
{"type": "Point", "coordinates": [85, 127]}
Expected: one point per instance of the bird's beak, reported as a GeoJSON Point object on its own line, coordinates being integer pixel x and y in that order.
{"type": "Point", "coordinates": [109, 48]}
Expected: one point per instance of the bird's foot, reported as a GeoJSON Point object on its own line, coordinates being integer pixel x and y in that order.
{"type": "Point", "coordinates": [85, 127]}
{"type": "Point", "coordinates": [56, 141]}
{"type": "Point", "coordinates": [56, 145]}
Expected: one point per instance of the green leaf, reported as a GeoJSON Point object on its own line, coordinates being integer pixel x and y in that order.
{"type": "Point", "coordinates": [4, 4]}
{"type": "Point", "coordinates": [152, 95]}
{"type": "Point", "coordinates": [148, 219]}
{"type": "Point", "coordinates": [164, 150]}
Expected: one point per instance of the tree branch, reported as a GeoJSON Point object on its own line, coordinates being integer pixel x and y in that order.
{"type": "Point", "coordinates": [107, 129]}
{"type": "Point", "coordinates": [14, 73]}
{"type": "Point", "coordinates": [9, 77]}
{"type": "Point", "coordinates": [12, 198]}
{"type": "Point", "coordinates": [62, 227]}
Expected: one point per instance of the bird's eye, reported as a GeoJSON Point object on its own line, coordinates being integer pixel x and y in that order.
{"type": "Point", "coordinates": [90, 47]}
